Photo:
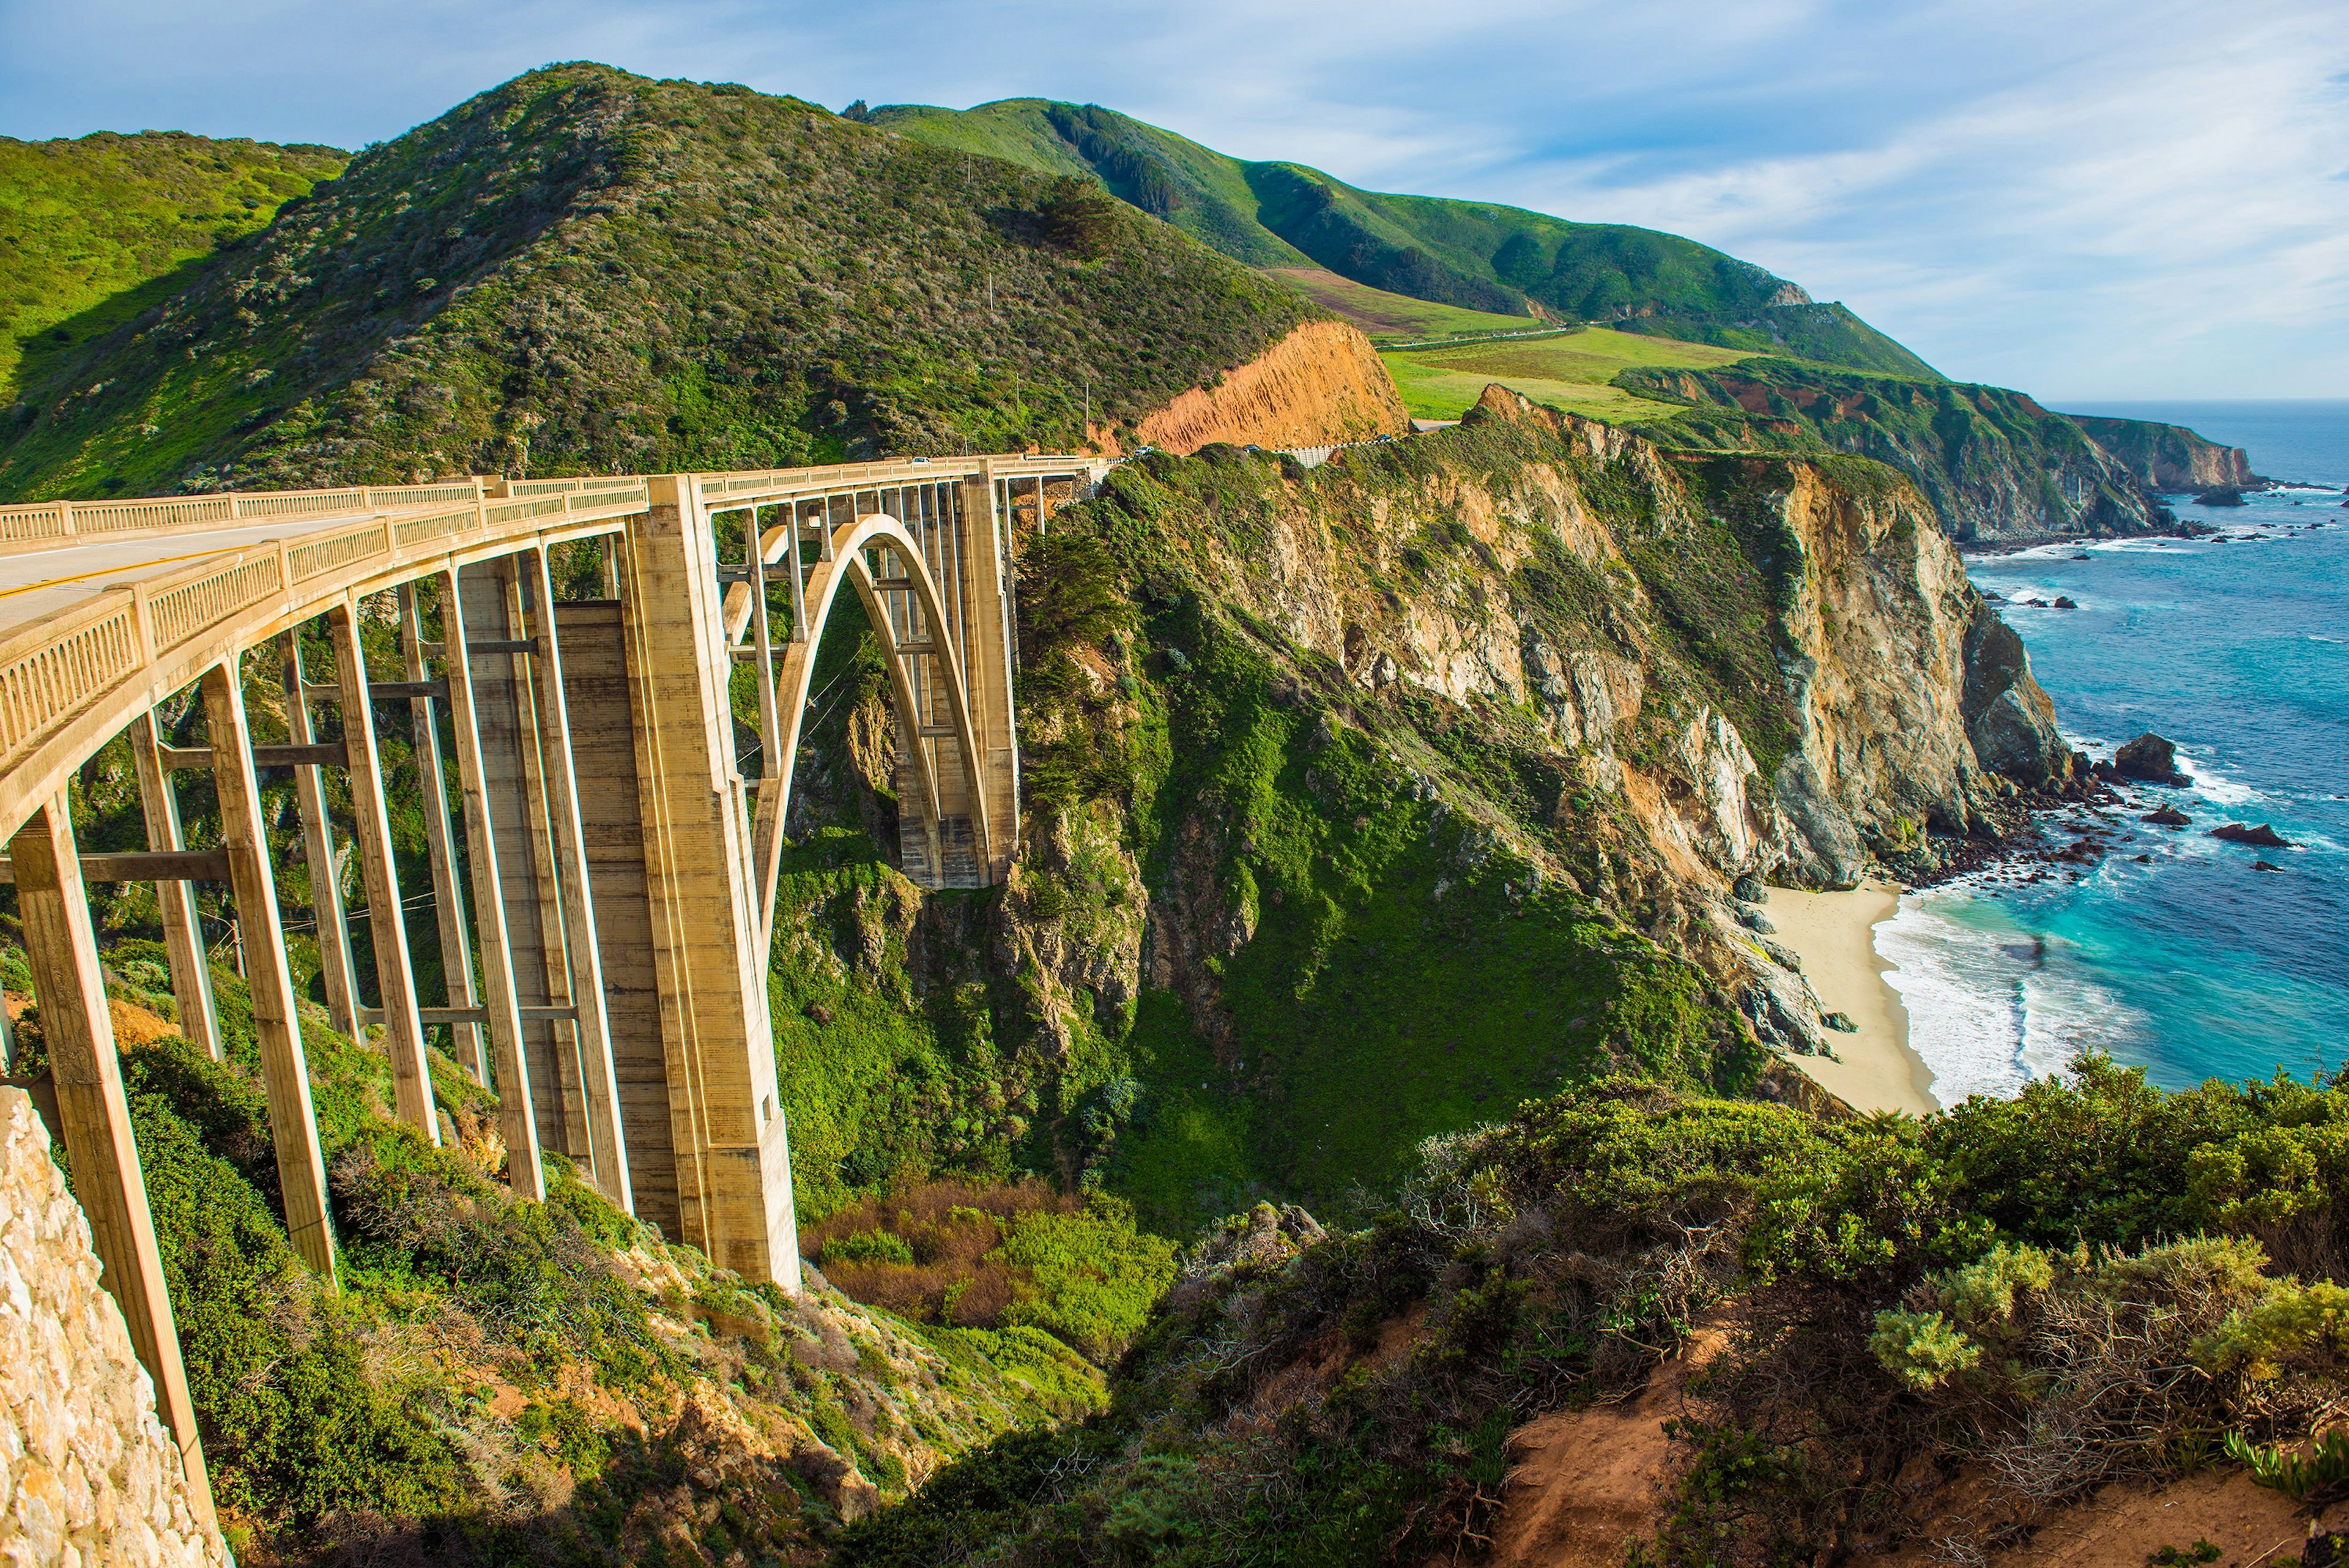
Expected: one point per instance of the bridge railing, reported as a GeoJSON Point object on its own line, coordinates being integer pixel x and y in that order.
{"type": "Point", "coordinates": [50, 522]}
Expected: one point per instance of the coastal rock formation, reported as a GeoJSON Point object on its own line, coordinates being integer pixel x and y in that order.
{"type": "Point", "coordinates": [2151, 759]}
{"type": "Point", "coordinates": [2168, 457]}
{"type": "Point", "coordinates": [2009, 720]}
{"type": "Point", "coordinates": [1994, 464]}
{"type": "Point", "coordinates": [87, 1471]}
{"type": "Point", "coordinates": [2264, 836]}
{"type": "Point", "coordinates": [1321, 384]}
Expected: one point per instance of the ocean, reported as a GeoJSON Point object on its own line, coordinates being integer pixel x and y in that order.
{"type": "Point", "coordinates": [2194, 964]}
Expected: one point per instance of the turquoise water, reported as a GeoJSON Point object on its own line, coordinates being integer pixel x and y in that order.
{"type": "Point", "coordinates": [2195, 964]}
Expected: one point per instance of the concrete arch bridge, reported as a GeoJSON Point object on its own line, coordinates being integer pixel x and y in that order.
{"type": "Point", "coordinates": [609, 864]}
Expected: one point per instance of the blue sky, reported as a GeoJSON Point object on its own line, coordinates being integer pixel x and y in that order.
{"type": "Point", "coordinates": [2087, 200]}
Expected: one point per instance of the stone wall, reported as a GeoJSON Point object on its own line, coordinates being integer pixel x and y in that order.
{"type": "Point", "coordinates": [87, 1475]}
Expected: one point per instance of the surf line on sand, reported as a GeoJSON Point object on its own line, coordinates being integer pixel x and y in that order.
{"type": "Point", "coordinates": [1835, 935]}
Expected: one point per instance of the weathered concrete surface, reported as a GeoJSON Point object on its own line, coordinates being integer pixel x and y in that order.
{"type": "Point", "coordinates": [87, 1475]}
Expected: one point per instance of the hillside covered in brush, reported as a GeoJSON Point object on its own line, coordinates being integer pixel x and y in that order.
{"type": "Point", "coordinates": [1476, 254]}
{"type": "Point", "coordinates": [1366, 800]}
{"type": "Point", "coordinates": [585, 270]}
{"type": "Point", "coordinates": [97, 229]}
{"type": "Point", "coordinates": [1994, 463]}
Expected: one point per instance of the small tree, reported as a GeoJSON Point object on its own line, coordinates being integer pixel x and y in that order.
{"type": "Point", "coordinates": [1079, 216]}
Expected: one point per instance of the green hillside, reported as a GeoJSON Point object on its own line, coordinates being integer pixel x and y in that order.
{"type": "Point", "coordinates": [1573, 369]}
{"type": "Point", "coordinates": [95, 230]}
{"type": "Point", "coordinates": [1993, 462]}
{"type": "Point", "coordinates": [1476, 256]}
{"type": "Point", "coordinates": [586, 270]}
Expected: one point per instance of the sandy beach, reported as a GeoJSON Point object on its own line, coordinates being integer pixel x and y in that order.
{"type": "Point", "coordinates": [1834, 933]}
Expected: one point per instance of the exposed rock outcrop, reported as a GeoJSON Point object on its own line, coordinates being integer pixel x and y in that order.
{"type": "Point", "coordinates": [2151, 759]}
{"type": "Point", "coordinates": [89, 1475]}
{"type": "Point", "coordinates": [1321, 384]}
{"type": "Point", "coordinates": [2009, 720]}
{"type": "Point", "coordinates": [2168, 457]}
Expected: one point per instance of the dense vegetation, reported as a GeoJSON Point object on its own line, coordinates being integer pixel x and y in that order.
{"type": "Point", "coordinates": [1991, 461]}
{"type": "Point", "coordinates": [1275, 924]}
{"type": "Point", "coordinates": [1473, 254]}
{"type": "Point", "coordinates": [96, 230]}
{"type": "Point", "coordinates": [584, 270]}
{"type": "Point", "coordinates": [500, 1381]}
{"type": "Point", "coordinates": [2093, 1281]}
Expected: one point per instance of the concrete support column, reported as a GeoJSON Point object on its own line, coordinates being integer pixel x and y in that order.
{"type": "Point", "coordinates": [983, 565]}
{"type": "Point", "coordinates": [285, 1072]}
{"type": "Point", "coordinates": [403, 1027]}
{"type": "Point", "coordinates": [184, 937]}
{"type": "Point", "coordinates": [448, 910]}
{"type": "Point", "coordinates": [728, 1131]}
{"type": "Point", "coordinates": [94, 1115]}
{"type": "Point", "coordinates": [523, 1172]}
{"type": "Point", "coordinates": [335, 965]}
{"type": "Point", "coordinates": [591, 1025]}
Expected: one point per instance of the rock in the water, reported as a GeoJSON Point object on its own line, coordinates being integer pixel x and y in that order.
{"type": "Point", "coordinates": [2084, 556]}
{"type": "Point", "coordinates": [2145, 860]}
{"type": "Point", "coordinates": [2167, 816]}
{"type": "Point", "coordinates": [2221, 495]}
{"type": "Point", "coordinates": [2062, 602]}
{"type": "Point", "coordinates": [2152, 759]}
{"type": "Point", "coordinates": [2263, 865]}
{"type": "Point", "coordinates": [1749, 890]}
{"type": "Point", "coordinates": [2263, 835]}
{"type": "Point", "coordinates": [1839, 1022]}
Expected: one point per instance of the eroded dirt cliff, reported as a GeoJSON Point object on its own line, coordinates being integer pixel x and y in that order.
{"type": "Point", "coordinates": [1320, 385]}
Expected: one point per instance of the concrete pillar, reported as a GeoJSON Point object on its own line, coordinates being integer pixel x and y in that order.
{"type": "Point", "coordinates": [183, 938]}
{"type": "Point", "coordinates": [983, 568]}
{"type": "Point", "coordinates": [335, 966]}
{"type": "Point", "coordinates": [728, 1136]}
{"type": "Point", "coordinates": [403, 1027]}
{"type": "Point", "coordinates": [285, 1072]}
{"type": "Point", "coordinates": [447, 908]}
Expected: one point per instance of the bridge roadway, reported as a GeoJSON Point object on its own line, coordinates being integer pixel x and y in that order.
{"type": "Point", "coordinates": [613, 883]}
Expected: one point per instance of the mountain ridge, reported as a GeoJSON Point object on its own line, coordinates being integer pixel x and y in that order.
{"type": "Point", "coordinates": [1480, 256]}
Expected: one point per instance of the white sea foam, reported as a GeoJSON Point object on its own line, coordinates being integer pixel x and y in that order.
{"type": "Point", "coordinates": [2214, 787]}
{"type": "Point", "coordinates": [1990, 1006]}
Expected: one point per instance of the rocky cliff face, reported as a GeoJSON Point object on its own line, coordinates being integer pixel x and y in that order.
{"type": "Point", "coordinates": [1321, 383]}
{"type": "Point", "coordinates": [87, 1475]}
{"type": "Point", "coordinates": [2170, 457]}
{"type": "Point", "coordinates": [1994, 464]}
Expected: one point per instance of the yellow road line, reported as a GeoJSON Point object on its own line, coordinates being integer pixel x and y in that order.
{"type": "Point", "coordinates": [112, 571]}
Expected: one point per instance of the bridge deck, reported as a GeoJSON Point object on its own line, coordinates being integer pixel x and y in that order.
{"type": "Point", "coordinates": [36, 584]}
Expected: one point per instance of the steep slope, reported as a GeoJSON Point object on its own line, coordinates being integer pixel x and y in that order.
{"type": "Point", "coordinates": [1320, 385]}
{"type": "Point", "coordinates": [1473, 254]}
{"type": "Point", "coordinates": [1368, 800]}
{"type": "Point", "coordinates": [584, 269]}
{"type": "Point", "coordinates": [95, 230]}
{"type": "Point", "coordinates": [1993, 463]}
{"type": "Point", "coordinates": [2168, 457]}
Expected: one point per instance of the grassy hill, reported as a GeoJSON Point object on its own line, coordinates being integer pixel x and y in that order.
{"type": "Point", "coordinates": [1573, 369]}
{"type": "Point", "coordinates": [1475, 256]}
{"type": "Point", "coordinates": [95, 230]}
{"type": "Point", "coordinates": [584, 269]}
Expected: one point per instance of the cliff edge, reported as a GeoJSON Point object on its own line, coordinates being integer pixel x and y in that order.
{"type": "Point", "coordinates": [1323, 384]}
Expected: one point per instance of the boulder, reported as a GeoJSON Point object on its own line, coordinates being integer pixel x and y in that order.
{"type": "Point", "coordinates": [2151, 759]}
{"type": "Point", "coordinates": [1841, 1022]}
{"type": "Point", "coordinates": [1755, 920]}
{"type": "Point", "coordinates": [2263, 835]}
{"type": "Point", "coordinates": [2221, 495]}
{"type": "Point", "coordinates": [2064, 602]}
{"type": "Point", "coordinates": [2264, 866]}
{"type": "Point", "coordinates": [1749, 890]}
{"type": "Point", "coordinates": [2167, 816]}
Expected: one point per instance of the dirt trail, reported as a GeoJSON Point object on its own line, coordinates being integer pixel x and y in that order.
{"type": "Point", "coordinates": [1586, 1482]}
